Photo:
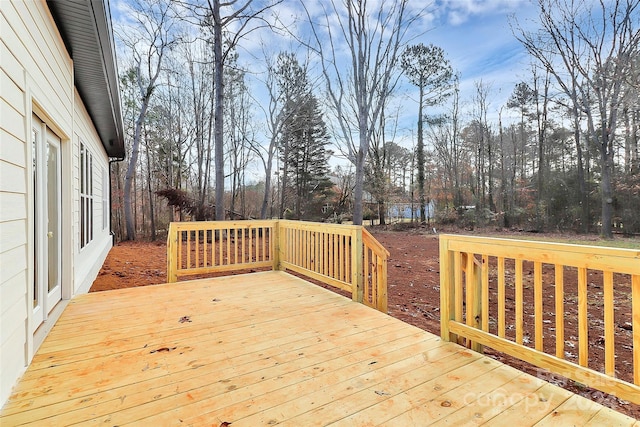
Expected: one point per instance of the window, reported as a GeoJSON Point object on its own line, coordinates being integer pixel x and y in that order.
{"type": "Point", "coordinates": [35, 138]}
{"type": "Point", "coordinates": [86, 196]}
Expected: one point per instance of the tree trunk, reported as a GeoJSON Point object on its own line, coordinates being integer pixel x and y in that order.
{"type": "Point", "coordinates": [420, 157]}
{"type": "Point", "coordinates": [131, 168]}
{"type": "Point", "coordinates": [218, 119]}
{"type": "Point", "coordinates": [284, 179]}
{"type": "Point", "coordinates": [584, 199]}
{"type": "Point", "coordinates": [152, 216]}
{"type": "Point", "coordinates": [267, 186]}
{"type": "Point", "coordinates": [606, 160]}
{"type": "Point", "coordinates": [359, 184]}
{"type": "Point", "coordinates": [542, 127]}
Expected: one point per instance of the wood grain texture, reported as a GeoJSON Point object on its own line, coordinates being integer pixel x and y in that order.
{"type": "Point", "coordinates": [262, 349]}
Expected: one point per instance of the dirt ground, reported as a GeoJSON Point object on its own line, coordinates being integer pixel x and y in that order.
{"type": "Point", "coordinates": [414, 297]}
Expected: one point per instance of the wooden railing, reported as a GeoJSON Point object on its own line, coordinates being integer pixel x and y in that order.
{"type": "Point", "coordinates": [513, 296]}
{"type": "Point", "coordinates": [344, 256]}
{"type": "Point", "coordinates": [375, 272]}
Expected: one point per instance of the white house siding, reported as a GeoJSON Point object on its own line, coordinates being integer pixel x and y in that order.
{"type": "Point", "coordinates": [85, 265]}
{"type": "Point", "coordinates": [36, 76]}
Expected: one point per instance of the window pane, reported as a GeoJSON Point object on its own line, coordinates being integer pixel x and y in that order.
{"type": "Point", "coordinates": [90, 219]}
{"type": "Point", "coordinates": [82, 241]}
{"type": "Point", "coordinates": [81, 169]}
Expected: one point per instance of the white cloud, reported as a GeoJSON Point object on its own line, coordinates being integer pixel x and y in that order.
{"type": "Point", "coordinates": [458, 12]}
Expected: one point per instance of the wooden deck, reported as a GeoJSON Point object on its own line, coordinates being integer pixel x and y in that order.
{"type": "Point", "coordinates": [269, 348]}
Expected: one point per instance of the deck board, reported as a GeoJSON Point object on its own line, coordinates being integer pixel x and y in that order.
{"type": "Point", "coordinates": [263, 349]}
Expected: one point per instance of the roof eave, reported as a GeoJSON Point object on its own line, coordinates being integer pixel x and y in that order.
{"type": "Point", "coordinates": [85, 26]}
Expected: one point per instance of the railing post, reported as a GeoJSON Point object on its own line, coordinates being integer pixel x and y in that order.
{"type": "Point", "coordinates": [357, 275]}
{"type": "Point", "coordinates": [172, 245]}
{"type": "Point", "coordinates": [275, 245]}
{"type": "Point", "coordinates": [446, 290]}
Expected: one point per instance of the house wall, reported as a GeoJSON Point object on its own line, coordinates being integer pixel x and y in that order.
{"type": "Point", "coordinates": [36, 77]}
{"type": "Point", "coordinates": [86, 266]}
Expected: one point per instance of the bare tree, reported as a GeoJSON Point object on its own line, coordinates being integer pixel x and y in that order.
{"type": "Point", "coordinates": [357, 91]}
{"type": "Point", "coordinates": [229, 21]}
{"type": "Point", "coordinates": [239, 134]}
{"type": "Point", "coordinates": [274, 123]}
{"type": "Point", "coordinates": [149, 45]}
{"type": "Point", "coordinates": [588, 49]}
{"type": "Point", "coordinates": [484, 146]}
{"type": "Point", "coordinates": [377, 165]}
{"type": "Point", "coordinates": [428, 69]}
{"type": "Point", "coordinates": [541, 92]}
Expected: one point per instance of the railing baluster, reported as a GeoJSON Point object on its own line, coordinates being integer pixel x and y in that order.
{"type": "Point", "coordinates": [212, 247]}
{"type": "Point", "coordinates": [374, 278]}
{"type": "Point", "coordinates": [609, 324]}
{"type": "Point", "coordinates": [459, 287]}
{"type": "Point", "coordinates": [179, 249]}
{"type": "Point", "coordinates": [228, 257]}
{"type": "Point", "coordinates": [519, 302]}
{"type": "Point", "coordinates": [367, 269]}
{"type": "Point", "coordinates": [635, 300]}
{"type": "Point", "coordinates": [501, 298]}
{"type": "Point", "coordinates": [537, 303]}
{"type": "Point", "coordinates": [340, 269]}
{"type": "Point", "coordinates": [189, 249]}
{"type": "Point", "coordinates": [332, 259]}
{"type": "Point", "coordinates": [197, 247]}
{"type": "Point", "coordinates": [316, 255]}
{"type": "Point", "coordinates": [244, 245]}
{"type": "Point", "coordinates": [583, 322]}
{"type": "Point", "coordinates": [471, 289]}
{"type": "Point", "coordinates": [266, 234]}
{"type": "Point", "coordinates": [485, 293]}
{"type": "Point", "coordinates": [327, 255]}
{"type": "Point", "coordinates": [250, 244]}
{"type": "Point", "coordinates": [559, 285]}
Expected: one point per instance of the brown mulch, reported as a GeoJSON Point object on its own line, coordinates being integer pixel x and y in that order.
{"type": "Point", "coordinates": [413, 292]}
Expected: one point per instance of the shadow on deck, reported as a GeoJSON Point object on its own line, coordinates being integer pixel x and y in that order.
{"type": "Point", "coordinates": [269, 348]}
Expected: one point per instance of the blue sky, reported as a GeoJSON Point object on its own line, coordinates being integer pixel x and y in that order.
{"type": "Point", "coordinates": [479, 42]}
{"type": "Point", "coordinates": [475, 35]}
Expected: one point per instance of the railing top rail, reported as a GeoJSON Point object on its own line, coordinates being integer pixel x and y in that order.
{"type": "Point", "coordinates": [201, 225]}
{"type": "Point", "coordinates": [625, 261]}
{"type": "Point", "coordinates": [325, 226]}
{"type": "Point", "coordinates": [373, 243]}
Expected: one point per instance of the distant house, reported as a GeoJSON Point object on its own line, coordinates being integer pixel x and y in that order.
{"type": "Point", "coordinates": [401, 210]}
{"type": "Point", "coordinates": [60, 125]}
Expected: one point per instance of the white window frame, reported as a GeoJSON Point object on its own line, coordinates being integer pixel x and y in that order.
{"type": "Point", "coordinates": [86, 196]}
